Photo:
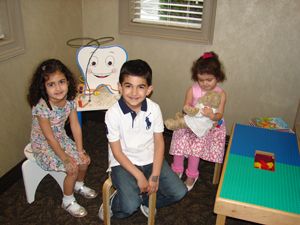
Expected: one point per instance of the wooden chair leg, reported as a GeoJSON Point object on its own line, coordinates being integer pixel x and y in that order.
{"type": "Point", "coordinates": [152, 207]}
{"type": "Point", "coordinates": [217, 173]}
{"type": "Point", "coordinates": [107, 190]}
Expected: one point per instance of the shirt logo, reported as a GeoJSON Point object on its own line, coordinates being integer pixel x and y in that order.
{"type": "Point", "coordinates": [148, 123]}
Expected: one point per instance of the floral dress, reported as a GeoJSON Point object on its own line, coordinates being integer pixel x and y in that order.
{"type": "Point", "coordinates": [209, 147]}
{"type": "Point", "coordinates": [42, 151]}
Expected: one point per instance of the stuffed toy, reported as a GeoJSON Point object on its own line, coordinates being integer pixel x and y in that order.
{"type": "Point", "coordinates": [193, 117]}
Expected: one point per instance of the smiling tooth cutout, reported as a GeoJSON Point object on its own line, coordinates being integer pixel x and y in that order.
{"type": "Point", "coordinates": [100, 66]}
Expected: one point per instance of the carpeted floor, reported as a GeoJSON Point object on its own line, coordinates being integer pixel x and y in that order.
{"type": "Point", "coordinates": [195, 209]}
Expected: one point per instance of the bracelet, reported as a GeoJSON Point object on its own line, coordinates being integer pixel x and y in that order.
{"type": "Point", "coordinates": [154, 178]}
{"type": "Point", "coordinates": [66, 161]}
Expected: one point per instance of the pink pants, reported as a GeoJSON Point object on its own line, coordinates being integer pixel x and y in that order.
{"type": "Point", "coordinates": [193, 163]}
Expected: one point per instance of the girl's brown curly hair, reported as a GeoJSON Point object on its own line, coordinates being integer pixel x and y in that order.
{"type": "Point", "coordinates": [208, 63]}
{"type": "Point", "coordinates": [37, 89]}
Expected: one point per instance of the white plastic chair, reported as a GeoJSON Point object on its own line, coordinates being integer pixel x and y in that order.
{"type": "Point", "coordinates": [34, 174]}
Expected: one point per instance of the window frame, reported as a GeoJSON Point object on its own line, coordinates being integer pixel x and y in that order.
{"type": "Point", "coordinates": [12, 41]}
{"type": "Point", "coordinates": [203, 35]}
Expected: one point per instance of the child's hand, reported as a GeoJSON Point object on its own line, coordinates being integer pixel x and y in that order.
{"type": "Point", "coordinates": [70, 165]}
{"type": "Point", "coordinates": [190, 110]}
{"type": "Point", "coordinates": [143, 184]}
{"type": "Point", "coordinates": [206, 111]}
{"type": "Point", "coordinates": [85, 158]}
{"type": "Point", "coordinates": [153, 184]}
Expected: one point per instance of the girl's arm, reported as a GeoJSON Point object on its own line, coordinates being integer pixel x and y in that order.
{"type": "Point", "coordinates": [77, 135]}
{"type": "Point", "coordinates": [188, 107]}
{"type": "Point", "coordinates": [76, 130]}
{"type": "Point", "coordinates": [219, 114]}
{"type": "Point", "coordinates": [189, 97]}
{"type": "Point", "coordinates": [128, 165]}
{"type": "Point", "coordinates": [159, 149]}
{"type": "Point", "coordinates": [221, 108]}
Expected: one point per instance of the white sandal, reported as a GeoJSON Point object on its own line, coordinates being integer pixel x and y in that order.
{"type": "Point", "coordinates": [86, 192]}
{"type": "Point", "coordinates": [190, 187]}
{"type": "Point", "coordinates": [75, 209]}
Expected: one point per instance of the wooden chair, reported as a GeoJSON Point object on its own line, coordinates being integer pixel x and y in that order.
{"type": "Point", "coordinates": [108, 189]}
{"type": "Point", "coordinates": [217, 173]}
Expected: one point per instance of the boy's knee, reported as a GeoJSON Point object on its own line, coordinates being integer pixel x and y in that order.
{"type": "Point", "coordinates": [182, 193]}
{"type": "Point", "coordinates": [131, 209]}
{"type": "Point", "coordinates": [127, 211]}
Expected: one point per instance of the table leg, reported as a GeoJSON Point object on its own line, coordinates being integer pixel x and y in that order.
{"type": "Point", "coordinates": [220, 220]}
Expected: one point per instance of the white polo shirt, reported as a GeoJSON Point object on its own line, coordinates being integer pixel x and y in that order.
{"type": "Point", "coordinates": [134, 130]}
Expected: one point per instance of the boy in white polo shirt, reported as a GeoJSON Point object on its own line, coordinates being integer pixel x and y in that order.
{"type": "Point", "coordinates": [136, 146]}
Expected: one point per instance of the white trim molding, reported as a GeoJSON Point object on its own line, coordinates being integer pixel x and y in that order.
{"type": "Point", "coordinates": [12, 41]}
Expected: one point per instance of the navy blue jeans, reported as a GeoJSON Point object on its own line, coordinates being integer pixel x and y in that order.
{"type": "Point", "coordinates": [128, 198]}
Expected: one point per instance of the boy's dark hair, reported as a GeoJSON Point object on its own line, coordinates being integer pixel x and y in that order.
{"type": "Point", "coordinates": [138, 68]}
{"type": "Point", "coordinates": [37, 89]}
{"type": "Point", "coordinates": [208, 63]}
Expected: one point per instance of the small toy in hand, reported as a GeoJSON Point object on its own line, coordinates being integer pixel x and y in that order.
{"type": "Point", "coordinates": [264, 160]}
{"type": "Point", "coordinates": [193, 119]}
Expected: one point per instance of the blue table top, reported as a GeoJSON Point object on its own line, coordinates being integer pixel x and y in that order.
{"type": "Point", "coordinates": [247, 139]}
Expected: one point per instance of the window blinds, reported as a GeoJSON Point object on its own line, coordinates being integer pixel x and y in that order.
{"type": "Point", "coordinates": [178, 13]}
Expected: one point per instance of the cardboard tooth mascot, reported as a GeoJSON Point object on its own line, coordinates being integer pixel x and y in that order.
{"type": "Point", "coordinates": [100, 67]}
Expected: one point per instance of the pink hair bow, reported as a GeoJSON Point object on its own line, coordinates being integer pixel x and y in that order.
{"type": "Point", "coordinates": [207, 55]}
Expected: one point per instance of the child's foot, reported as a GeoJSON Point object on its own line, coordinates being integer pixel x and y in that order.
{"type": "Point", "coordinates": [101, 212]}
{"type": "Point", "coordinates": [190, 182]}
{"type": "Point", "coordinates": [145, 210]}
{"type": "Point", "coordinates": [86, 192]}
{"type": "Point", "coordinates": [179, 175]}
{"type": "Point", "coordinates": [74, 209]}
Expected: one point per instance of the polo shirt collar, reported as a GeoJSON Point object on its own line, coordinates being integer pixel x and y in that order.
{"type": "Point", "coordinates": [125, 109]}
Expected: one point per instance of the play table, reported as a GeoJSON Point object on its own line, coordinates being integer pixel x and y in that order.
{"type": "Point", "coordinates": [260, 195]}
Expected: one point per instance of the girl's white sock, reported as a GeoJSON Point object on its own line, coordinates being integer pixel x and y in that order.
{"type": "Point", "coordinates": [67, 199]}
{"type": "Point", "coordinates": [78, 185]}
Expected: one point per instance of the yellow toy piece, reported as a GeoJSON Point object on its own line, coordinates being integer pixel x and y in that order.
{"type": "Point", "coordinates": [270, 165]}
{"type": "Point", "coordinates": [257, 165]}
